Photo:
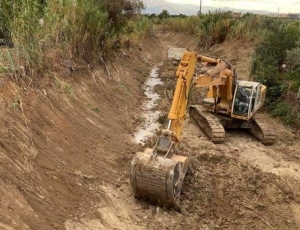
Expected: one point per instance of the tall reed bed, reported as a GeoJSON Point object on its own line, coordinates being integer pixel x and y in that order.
{"type": "Point", "coordinates": [219, 26]}
{"type": "Point", "coordinates": [45, 32]}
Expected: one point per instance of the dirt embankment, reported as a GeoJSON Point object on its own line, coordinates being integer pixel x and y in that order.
{"type": "Point", "coordinates": [66, 144]}
{"type": "Point", "coordinates": [68, 135]}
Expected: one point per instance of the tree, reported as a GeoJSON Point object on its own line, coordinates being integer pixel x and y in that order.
{"type": "Point", "coordinates": [164, 14]}
{"type": "Point", "coordinates": [132, 7]}
{"type": "Point", "coordinates": [117, 9]}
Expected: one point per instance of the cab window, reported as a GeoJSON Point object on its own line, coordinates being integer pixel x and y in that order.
{"type": "Point", "coordinates": [242, 101]}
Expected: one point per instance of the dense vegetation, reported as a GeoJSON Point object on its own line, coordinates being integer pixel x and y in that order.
{"type": "Point", "coordinates": [276, 63]}
{"type": "Point", "coordinates": [217, 27]}
{"type": "Point", "coordinates": [43, 31]}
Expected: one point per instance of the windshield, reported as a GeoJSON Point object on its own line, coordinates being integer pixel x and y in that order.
{"type": "Point", "coordinates": [242, 101]}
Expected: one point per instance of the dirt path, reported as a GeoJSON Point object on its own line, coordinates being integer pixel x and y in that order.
{"type": "Point", "coordinates": [66, 146]}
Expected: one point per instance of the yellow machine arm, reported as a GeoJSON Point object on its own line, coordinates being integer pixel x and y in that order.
{"type": "Point", "coordinates": [184, 75]}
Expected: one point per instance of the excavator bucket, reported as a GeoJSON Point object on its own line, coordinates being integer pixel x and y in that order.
{"type": "Point", "coordinates": [158, 179]}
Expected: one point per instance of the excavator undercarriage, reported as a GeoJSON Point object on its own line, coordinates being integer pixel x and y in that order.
{"type": "Point", "coordinates": [214, 125]}
{"type": "Point", "coordinates": [208, 123]}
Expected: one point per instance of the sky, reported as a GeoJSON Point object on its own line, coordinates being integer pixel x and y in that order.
{"type": "Point", "coordinates": [284, 6]}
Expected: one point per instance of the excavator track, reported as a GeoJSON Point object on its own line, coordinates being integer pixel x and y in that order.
{"type": "Point", "coordinates": [208, 122]}
{"type": "Point", "coordinates": [261, 130]}
{"type": "Point", "coordinates": [158, 179]}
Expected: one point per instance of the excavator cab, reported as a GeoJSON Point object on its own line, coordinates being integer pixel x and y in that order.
{"type": "Point", "coordinates": [248, 98]}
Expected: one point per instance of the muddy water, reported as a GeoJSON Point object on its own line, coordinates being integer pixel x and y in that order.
{"type": "Point", "coordinates": [150, 115]}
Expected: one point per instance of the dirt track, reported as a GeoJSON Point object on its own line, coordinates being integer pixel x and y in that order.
{"type": "Point", "coordinates": [66, 145]}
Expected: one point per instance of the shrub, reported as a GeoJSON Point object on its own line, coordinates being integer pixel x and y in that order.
{"type": "Point", "coordinates": [276, 65]}
{"type": "Point", "coordinates": [272, 51]}
{"type": "Point", "coordinates": [288, 115]}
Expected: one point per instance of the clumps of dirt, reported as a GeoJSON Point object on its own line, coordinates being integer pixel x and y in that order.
{"type": "Point", "coordinates": [222, 193]}
{"type": "Point", "coordinates": [291, 155]}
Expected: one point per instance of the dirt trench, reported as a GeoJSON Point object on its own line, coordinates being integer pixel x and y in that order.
{"type": "Point", "coordinates": [66, 145]}
{"type": "Point", "coordinates": [66, 139]}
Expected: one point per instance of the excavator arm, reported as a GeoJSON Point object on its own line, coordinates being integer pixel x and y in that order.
{"type": "Point", "coordinates": [184, 75]}
{"type": "Point", "coordinates": [219, 76]}
{"type": "Point", "coordinates": [157, 173]}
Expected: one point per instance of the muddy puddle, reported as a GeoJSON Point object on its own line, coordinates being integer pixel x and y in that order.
{"type": "Point", "coordinates": [150, 116]}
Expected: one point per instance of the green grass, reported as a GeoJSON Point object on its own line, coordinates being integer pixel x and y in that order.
{"type": "Point", "coordinates": [64, 87]}
{"type": "Point", "coordinates": [93, 108]}
{"type": "Point", "coordinates": [16, 102]}
{"type": "Point", "coordinates": [68, 90]}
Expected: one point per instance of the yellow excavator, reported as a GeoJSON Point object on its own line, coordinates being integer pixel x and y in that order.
{"type": "Point", "coordinates": [157, 173]}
